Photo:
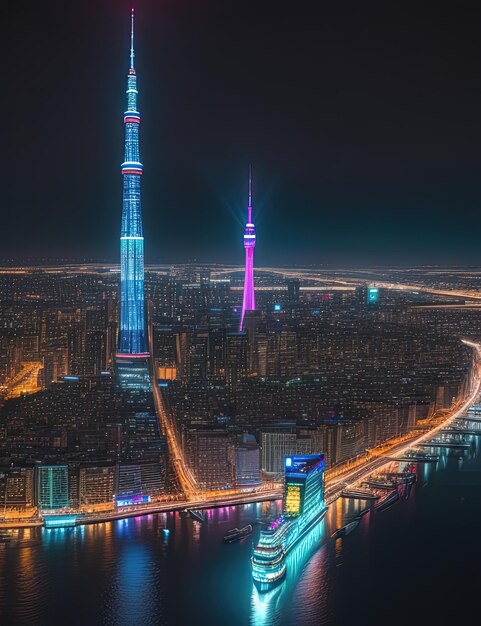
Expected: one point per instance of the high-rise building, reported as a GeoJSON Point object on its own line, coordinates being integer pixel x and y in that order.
{"type": "Point", "coordinates": [276, 445]}
{"type": "Point", "coordinates": [293, 290]}
{"type": "Point", "coordinates": [209, 456]}
{"type": "Point", "coordinates": [16, 487]}
{"type": "Point", "coordinates": [129, 482]}
{"type": "Point", "coordinates": [247, 464]}
{"type": "Point", "coordinates": [136, 483]}
{"type": "Point", "coordinates": [288, 354]}
{"type": "Point", "coordinates": [236, 358]}
{"type": "Point", "coordinates": [280, 442]}
{"type": "Point", "coordinates": [249, 302]}
{"type": "Point", "coordinates": [164, 352]}
{"type": "Point", "coordinates": [96, 485]}
{"type": "Point", "coordinates": [372, 296]}
{"type": "Point", "coordinates": [132, 354]}
{"type": "Point", "coordinates": [52, 488]}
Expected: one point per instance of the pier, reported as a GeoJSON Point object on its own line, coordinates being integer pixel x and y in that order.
{"type": "Point", "coordinates": [445, 444]}
{"type": "Point", "coordinates": [359, 494]}
{"type": "Point", "coordinates": [460, 431]}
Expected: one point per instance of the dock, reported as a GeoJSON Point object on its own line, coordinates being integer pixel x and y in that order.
{"type": "Point", "coordinates": [359, 494]}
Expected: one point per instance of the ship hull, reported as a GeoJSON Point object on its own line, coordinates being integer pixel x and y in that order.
{"type": "Point", "coordinates": [264, 586]}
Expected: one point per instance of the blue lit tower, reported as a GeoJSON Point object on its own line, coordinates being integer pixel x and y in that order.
{"type": "Point", "coordinates": [132, 355]}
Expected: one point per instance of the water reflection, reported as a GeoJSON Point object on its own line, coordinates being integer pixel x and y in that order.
{"type": "Point", "coordinates": [305, 588]}
{"type": "Point", "coordinates": [168, 569]}
{"type": "Point", "coordinates": [134, 587]}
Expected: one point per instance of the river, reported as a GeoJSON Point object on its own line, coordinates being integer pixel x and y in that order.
{"type": "Point", "coordinates": [417, 562]}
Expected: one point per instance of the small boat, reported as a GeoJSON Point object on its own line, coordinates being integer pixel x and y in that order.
{"type": "Point", "coordinates": [407, 490]}
{"type": "Point", "coordinates": [198, 516]}
{"type": "Point", "coordinates": [422, 458]}
{"type": "Point", "coordinates": [387, 500]}
{"type": "Point", "coordinates": [348, 528]}
{"type": "Point", "coordinates": [236, 534]}
{"type": "Point", "coordinates": [446, 444]}
{"type": "Point", "coordinates": [402, 477]}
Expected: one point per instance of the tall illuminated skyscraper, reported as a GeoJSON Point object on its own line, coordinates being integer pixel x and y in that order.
{"type": "Point", "coordinates": [249, 302]}
{"type": "Point", "coordinates": [132, 355]}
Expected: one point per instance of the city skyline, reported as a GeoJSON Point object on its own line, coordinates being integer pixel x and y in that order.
{"type": "Point", "coordinates": [362, 189]}
{"type": "Point", "coordinates": [153, 414]}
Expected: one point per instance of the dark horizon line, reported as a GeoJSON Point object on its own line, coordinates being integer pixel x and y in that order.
{"type": "Point", "coordinates": [44, 261]}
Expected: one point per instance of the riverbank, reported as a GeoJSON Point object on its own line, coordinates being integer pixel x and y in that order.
{"type": "Point", "coordinates": [170, 569]}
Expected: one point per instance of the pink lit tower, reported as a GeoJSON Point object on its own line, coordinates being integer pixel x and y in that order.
{"type": "Point", "coordinates": [249, 302]}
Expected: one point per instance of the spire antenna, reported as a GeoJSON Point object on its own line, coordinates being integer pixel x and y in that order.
{"type": "Point", "coordinates": [132, 55]}
{"type": "Point", "coordinates": [249, 208]}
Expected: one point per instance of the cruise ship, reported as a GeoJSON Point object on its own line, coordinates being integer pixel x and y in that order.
{"type": "Point", "coordinates": [303, 507]}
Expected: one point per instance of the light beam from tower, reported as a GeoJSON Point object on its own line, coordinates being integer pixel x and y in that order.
{"type": "Point", "coordinates": [249, 302]}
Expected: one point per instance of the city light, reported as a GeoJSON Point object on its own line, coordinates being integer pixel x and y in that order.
{"type": "Point", "coordinates": [60, 521]}
{"type": "Point", "coordinates": [183, 441]}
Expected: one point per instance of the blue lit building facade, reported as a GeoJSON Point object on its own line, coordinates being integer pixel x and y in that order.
{"type": "Point", "coordinates": [132, 356]}
{"type": "Point", "coordinates": [372, 295]}
{"type": "Point", "coordinates": [52, 482]}
{"type": "Point", "coordinates": [303, 485]}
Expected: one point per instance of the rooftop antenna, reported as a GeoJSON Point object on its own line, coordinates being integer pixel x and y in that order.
{"type": "Point", "coordinates": [132, 55]}
{"type": "Point", "coordinates": [249, 207]}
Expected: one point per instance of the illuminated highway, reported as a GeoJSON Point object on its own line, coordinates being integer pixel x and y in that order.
{"type": "Point", "coordinates": [186, 480]}
{"type": "Point", "coordinates": [335, 278]}
{"type": "Point", "coordinates": [26, 381]}
{"type": "Point", "coordinates": [329, 278]}
{"type": "Point", "coordinates": [339, 277]}
{"type": "Point", "coordinates": [398, 286]}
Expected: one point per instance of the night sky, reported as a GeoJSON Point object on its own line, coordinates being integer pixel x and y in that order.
{"type": "Point", "coordinates": [363, 127]}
